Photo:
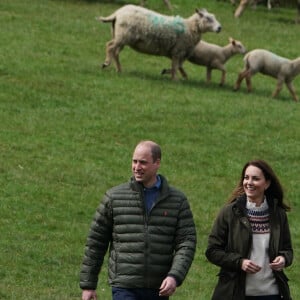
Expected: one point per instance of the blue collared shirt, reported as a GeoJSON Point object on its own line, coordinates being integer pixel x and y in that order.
{"type": "Point", "coordinates": [151, 194]}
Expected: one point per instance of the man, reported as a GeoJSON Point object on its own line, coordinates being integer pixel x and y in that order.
{"type": "Point", "coordinates": [149, 229]}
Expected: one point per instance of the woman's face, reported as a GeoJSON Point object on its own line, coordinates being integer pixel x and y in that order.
{"type": "Point", "coordinates": [255, 184]}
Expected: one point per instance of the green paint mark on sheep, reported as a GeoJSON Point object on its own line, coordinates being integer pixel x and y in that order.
{"type": "Point", "coordinates": [175, 23]}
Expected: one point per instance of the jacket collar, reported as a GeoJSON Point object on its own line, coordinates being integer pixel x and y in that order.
{"type": "Point", "coordinates": [239, 206]}
{"type": "Point", "coordinates": [138, 187]}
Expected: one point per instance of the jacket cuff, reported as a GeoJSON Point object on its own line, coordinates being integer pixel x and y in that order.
{"type": "Point", "coordinates": [176, 279]}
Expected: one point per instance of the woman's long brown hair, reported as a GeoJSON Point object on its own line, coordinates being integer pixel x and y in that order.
{"type": "Point", "coordinates": [274, 191]}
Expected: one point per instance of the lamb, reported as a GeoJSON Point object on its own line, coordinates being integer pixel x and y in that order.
{"type": "Point", "coordinates": [268, 63]}
{"type": "Point", "coordinates": [152, 33]}
{"type": "Point", "coordinates": [214, 57]}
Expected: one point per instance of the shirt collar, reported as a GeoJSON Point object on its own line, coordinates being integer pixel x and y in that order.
{"type": "Point", "coordinates": [156, 185]}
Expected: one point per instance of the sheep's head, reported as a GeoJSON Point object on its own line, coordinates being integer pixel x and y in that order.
{"type": "Point", "coordinates": [237, 46]}
{"type": "Point", "coordinates": [208, 21]}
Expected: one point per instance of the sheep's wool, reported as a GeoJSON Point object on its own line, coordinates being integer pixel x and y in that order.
{"type": "Point", "coordinates": [161, 22]}
{"type": "Point", "coordinates": [263, 282]}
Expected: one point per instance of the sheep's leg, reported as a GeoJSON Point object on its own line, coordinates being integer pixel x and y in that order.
{"type": "Point", "coordinates": [243, 4]}
{"type": "Point", "coordinates": [182, 72]}
{"type": "Point", "coordinates": [174, 67]}
{"type": "Point", "coordinates": [238, 82]}
{"type": "Point", "coordinates": [169, 71]}
{"type": "Point", "coordinates": [116, 58]}
{"type": "Point", "coordinates": [248, 82]}
{"type": "Point", "coordinates": [278, 88]}
{"type": "Point", "coordinates": [112, 53]}
{"type": "Point", "coordinates": [107, 61]}
{"type": "Point", "coordinates": [240, 78]}
{"type": "Point", "coordinates": [292, 90]}
{"type": "Point", "coordinates": [208, 74]}
{"type": "Point", "coordinates": [223, 78]}
{"type": "Point", "coordinates": [254, 4]}
{"type": "Point", "coordinates": [168, 4]}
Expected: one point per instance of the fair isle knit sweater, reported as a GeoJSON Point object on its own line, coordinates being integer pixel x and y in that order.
{"type": "Point", "coordinates": [263, 282]}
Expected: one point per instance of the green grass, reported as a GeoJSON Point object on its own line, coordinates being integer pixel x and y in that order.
{"type": "Point", "coordinates": [68, 129]}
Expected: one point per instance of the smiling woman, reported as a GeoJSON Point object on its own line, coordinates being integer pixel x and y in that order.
{"type": "Point", "coordinates": [250, 239]}
{"type": "Point", "coordinates": [255, 184]}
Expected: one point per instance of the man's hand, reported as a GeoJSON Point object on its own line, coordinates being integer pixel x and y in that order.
{"type": "Point", "coordinates": [89, 295]}
{"type": "Point", "coordinates": [168, 287]}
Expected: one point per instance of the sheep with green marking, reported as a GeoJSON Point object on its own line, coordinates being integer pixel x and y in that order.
{"type": "Point", "coordinates": [149, 32]}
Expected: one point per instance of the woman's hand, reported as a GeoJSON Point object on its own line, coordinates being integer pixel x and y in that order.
{"type": "Point", "coordinates": [278, 263]}
{"type": "Point", "coordinates": [250, 267]}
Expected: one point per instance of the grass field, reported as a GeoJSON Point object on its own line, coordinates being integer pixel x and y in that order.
{"type": "Point", "coordinates": [68, 129]}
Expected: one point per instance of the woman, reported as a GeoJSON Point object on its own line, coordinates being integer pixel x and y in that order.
{"type": "Point", "coordinates": [250, 239]}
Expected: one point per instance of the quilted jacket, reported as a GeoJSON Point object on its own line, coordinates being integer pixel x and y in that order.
{"type": "Point", "coordinates": [143, 249]}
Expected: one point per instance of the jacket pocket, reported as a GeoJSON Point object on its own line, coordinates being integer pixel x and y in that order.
{"type": "Point", "coordinates": [226, 285]}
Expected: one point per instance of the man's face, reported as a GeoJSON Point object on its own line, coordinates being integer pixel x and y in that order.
{"type": "Point", "coordinates": [144, 169]}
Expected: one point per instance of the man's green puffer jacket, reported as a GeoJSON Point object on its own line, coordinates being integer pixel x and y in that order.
{"type": "Point", "coordinates": [143, 249]}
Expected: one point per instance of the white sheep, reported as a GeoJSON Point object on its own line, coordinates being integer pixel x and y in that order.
{"type": "Point", "coordinates": [152, 33]}
{"type": "Point", "coordinates": [244, 3]}
{"type": "Point", "coordinates": [268, 63]}
{"type": "Point", "coordinates": [255, 2]}
{"type": "Point", "coordinates": [214, 57]}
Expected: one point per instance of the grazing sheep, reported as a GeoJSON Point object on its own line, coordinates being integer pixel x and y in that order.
{"type": "Point", "coordinates": [268, 63]}
{"type": "Point", "coordinates": [255, 2]}
{"type": "Point", "coordinates": [244, 3]}
{"type": "Point", "coordinates": [152, 33]}
{"type": "Point", "coordinates": [167, 2]}
{"type": "Point", "coordinates": [214, 57]}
